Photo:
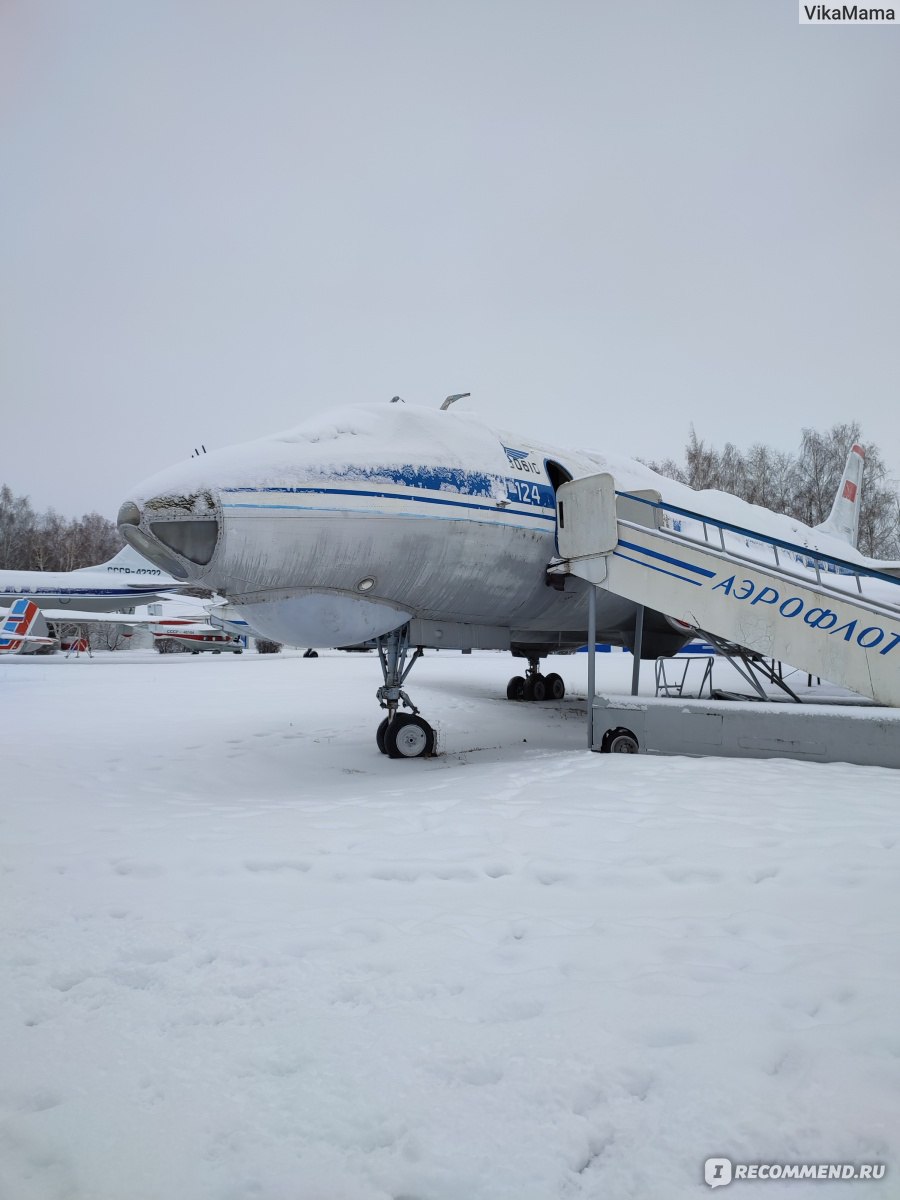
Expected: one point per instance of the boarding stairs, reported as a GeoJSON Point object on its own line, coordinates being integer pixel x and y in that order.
{"type": "Point", "coordinates": [824, 615]}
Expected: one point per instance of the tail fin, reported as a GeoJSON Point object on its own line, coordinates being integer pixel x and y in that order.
{"type": "Point", "coordinates": [126, 562]}
{"type": "Point", "coordinates": [23, 628]}
{"type": "Point", "coordinates": [843, 520]}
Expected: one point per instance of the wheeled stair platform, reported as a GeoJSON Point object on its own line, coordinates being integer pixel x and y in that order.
{"type": "Point", "coordinates": [862, 734]}
{"type": "Point", "coordinates": [830, 617]}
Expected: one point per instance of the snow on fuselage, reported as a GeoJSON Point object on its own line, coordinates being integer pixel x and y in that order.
{"type": "Point", "coordinates": [343, 529]}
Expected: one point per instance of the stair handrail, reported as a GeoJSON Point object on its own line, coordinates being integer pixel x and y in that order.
{"type": "Point", "coordinates": [812, 558]}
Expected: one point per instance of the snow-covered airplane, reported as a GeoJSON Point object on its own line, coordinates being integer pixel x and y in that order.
{"type": "Point", "coordinates": [419, 528]}
{"type": "Point", "coordinates": [124, 581]}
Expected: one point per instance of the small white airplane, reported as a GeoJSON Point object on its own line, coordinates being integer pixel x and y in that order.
{"type": "Point", "coordinates": [198, 637]}
{"type": "Point", "coordinates": [418, 528]}
{"type": "Point", "coordinates": [124, 581]}
{"type": "Point", "coordinates": [187, 623]}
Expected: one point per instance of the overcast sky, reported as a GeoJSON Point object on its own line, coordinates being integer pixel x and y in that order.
{"type": "Point", "coordinates": [605, 220]}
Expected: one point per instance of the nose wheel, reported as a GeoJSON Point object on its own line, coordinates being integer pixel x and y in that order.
{"type": "Point", "coordinates": [400, 735]}
{"type": "Point", "coordinates": [407, 736]}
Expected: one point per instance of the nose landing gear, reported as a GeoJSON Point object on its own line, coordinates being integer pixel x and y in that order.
{"type": "Point", "coordinates": [535, 686]}
{"type": "Point", "coordinates": [400, 735]}
{"type": "Point", "coordinates": [406, 736]}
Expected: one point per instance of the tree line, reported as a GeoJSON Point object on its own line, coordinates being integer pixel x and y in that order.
{"type": "Point", "coordinates": [801, 485]}
{"type": "Point", "coordinates": [47, 541]}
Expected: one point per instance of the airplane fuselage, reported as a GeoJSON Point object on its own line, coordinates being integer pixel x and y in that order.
{"type": "Point", "coordinates": [90, 593]}
{"type": "Point", "coordinates": [346, 528]}
{"type": "Point", "coordinates": [329, 538]}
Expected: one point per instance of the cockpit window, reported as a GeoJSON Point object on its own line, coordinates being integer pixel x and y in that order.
{"type": "Point", "coordinates": [193, 540]}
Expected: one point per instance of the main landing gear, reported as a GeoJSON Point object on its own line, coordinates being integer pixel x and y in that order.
{"type": "Point", "coordinates": [400, 735]}
{"type": "Point", "coordinates": [535, 686]}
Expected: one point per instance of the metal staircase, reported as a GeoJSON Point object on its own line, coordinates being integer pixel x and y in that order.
{"type": "Point", "coordinates": [825, 615]}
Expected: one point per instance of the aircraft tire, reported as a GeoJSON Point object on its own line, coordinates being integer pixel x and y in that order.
{"type": "Point", "coordinates": [515, 689]}
{"type": "Point", "coordinates": [535, 688]}
{"type": "Point", "coordinates": [556, 688]}
{"type": "Point", "coordinates": [409, 736]}
{"type": "Point", "coordinates": [379, 735]}
{"type": "Point", "coordinates": [619, 741]}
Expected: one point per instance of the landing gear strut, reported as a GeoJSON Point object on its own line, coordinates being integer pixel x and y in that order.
{"type": "Point", "coordinates": [400, 735]}
{"type": "Point", "coordinates": [535, 686]}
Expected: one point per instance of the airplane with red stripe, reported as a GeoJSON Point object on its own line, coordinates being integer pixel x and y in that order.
{"type": "Point", "coordinates": [23, 628]}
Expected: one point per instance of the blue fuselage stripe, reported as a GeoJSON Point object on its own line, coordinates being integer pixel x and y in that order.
{"type": "Point", "coordinates": [378, 495]}
{"type": "Point", "coordinates": [137, 590]}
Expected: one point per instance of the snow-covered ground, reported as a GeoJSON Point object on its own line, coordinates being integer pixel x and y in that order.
{"type": "Point", "coordinates": [246, 957]}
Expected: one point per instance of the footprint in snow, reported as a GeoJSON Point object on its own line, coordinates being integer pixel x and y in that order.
{"type": "Point", "coordinates": [140, 870]}
{"type": "Point", "coordinates": [765, 873]}
{"type": "Point", "coordinates": [497, 870]}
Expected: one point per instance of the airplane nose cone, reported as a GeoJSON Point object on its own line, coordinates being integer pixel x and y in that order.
{"type": "Point", "coordinates": [176, 532]}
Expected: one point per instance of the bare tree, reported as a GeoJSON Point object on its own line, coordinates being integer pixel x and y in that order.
{"type": "Point", "coordinates": [17, 526]}
{"type": "Point", "coordinates": [802, 485]}
{"type": "Point", "coordinates": [31, 541]}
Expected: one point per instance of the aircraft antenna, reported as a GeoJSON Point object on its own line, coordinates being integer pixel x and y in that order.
{"type": "Point", "coordinates": [453, 399]}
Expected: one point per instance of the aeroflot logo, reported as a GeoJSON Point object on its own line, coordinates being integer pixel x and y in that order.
{"type": "Point", "coordinates": [826, 619]}
{"type": "Point", "coordinates": [829, 621]}
{"type": "Point", "coordinates": [518, 460]}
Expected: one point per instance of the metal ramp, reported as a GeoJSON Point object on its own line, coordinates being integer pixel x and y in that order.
{"type": "Point", "coordinates": [824, 615]}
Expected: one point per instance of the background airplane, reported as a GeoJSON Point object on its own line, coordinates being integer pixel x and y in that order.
{"type": "Point", "coordinates": [124, 581]}
{"type": "Point", "coordinates": [182, 620]}
{"type": "Point", "coordinates": [23, 629]}
{"type": "Point", "coordinates": [419, 528]}
{"type": "Point", "coordinates": [187, 622]}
